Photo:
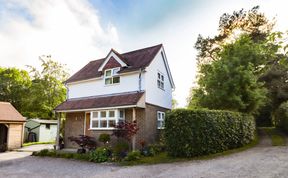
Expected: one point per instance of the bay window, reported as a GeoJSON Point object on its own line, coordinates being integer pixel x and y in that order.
{"type": "Point", "coordinates": [106, 119]}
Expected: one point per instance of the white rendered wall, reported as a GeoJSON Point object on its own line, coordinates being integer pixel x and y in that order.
{"type": "Point", "coordinates": [128, 83]}
{"type": "Point", "coordinates": [155, 95]}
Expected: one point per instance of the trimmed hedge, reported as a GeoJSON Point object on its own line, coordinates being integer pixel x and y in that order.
{"type": "Point", "coordinates": [190, 133]}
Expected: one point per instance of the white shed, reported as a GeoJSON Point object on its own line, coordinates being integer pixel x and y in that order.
{"type": "Point", "coordinates": [45, 130]}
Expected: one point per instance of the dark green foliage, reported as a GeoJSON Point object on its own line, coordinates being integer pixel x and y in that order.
{"type": "Point", "coordinates": [155, 149]}
{"type": "Point", "coordinates": [104, 138]}
{"type": "Point", "coordinates": [121, 149]}
{"type": "Point", "coordinates": [133, 156]}
{"type": "Point", "coordinates": [53, 153]}
{"type": "Point", "coordinates": [190, 133]}
{"type": "Point", "coordinates": [264, 117]}
{"type": "Point", "coordinates": [14, 87]}
{"type": "Point", "coordinates": [282, 117]}
{"type": "Point", "coordinates": [231, 82]}
{"type": "Point", "coordinates": [100, 155]}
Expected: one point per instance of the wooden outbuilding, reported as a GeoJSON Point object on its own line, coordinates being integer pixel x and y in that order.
{"type": "Point", "coordinates": [11, 127]}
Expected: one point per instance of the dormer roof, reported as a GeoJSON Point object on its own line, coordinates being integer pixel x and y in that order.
{"type": "Point", "coordinates": [130, 61]}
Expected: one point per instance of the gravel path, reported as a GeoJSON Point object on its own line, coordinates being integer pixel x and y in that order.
{"type": "Point", "coordinates": [260, 161]}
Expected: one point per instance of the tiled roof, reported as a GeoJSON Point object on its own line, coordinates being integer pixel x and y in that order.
{"type": "Point", "coordinates": [135, 60]}
{"type": "Point", "coordinates": [9, 113]}
{"type": "Point", "coordinates": [124, 99]}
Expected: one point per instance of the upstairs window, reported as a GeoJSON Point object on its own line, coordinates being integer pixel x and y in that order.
{"type": "Point", "coordinates": [111, 76]}
{"type": "Point", "coordinates": [160, 80]}
{"type": "Point", "coordinates": [160, 120]}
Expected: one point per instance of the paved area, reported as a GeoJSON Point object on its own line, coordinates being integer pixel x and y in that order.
{"type": "Point", "coordinates": [261, 161]}
{"type": "Point", "coordinates": [23, 152]}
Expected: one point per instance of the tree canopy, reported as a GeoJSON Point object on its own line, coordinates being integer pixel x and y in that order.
{"type": "Point", "coordinates": [37, 92]}
{"type": "Point", "coordinates": [242, 68]}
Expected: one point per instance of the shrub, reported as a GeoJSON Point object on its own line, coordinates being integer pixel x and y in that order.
{"type": "Point", "coordinates": [191, 133]}
{"type": "Point", "coordinates": [104, 138]}
{"type": "Point", "coordinates": [120, 149]}
{"type": "Point", "coordinates": [100, 155]}
{"type": "Point", "coordinates": [84, 141]}
{"type": "Point", "coordinates": [282, 116]}
{"type": "Point", "coordinates": [125, 130]}
{"type": "Point", "coordinates": [133, 156]}
{"type": "Point", "coordinates": [155, 149]}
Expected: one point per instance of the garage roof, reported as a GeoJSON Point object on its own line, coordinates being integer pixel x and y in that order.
{"type": "Point", "coordinates": [9, 113]}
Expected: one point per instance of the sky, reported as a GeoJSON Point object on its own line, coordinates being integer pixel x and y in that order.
{"type": "Point", "coordinates": [75, 32]}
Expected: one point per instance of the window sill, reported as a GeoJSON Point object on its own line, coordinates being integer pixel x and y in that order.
{"type": "Point", "coordinates": [160, 128]}
{"type": "Point", "coordinates": [108, 85]}
{"type": "Point", "coordinates": [99, 129]}
{"type": "Point", "coordinates": [161, 89]}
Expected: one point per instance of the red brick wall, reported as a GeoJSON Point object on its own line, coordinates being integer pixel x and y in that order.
{"type": "Point", "coordinates": [112, 63]}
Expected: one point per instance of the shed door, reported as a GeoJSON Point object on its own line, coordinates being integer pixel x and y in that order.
{"type": "Point", "coordinates": [3, 137]}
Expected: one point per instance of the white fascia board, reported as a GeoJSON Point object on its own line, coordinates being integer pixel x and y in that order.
{"type": "Point", "coordinates": [94, 109]}
{"type": "Point", "coordinates": [167, 68]}
{"type": "Point", "coordinates": [112, 54]}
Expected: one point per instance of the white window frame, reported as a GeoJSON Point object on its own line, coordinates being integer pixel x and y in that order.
{"type": "Point", "coordinates": [112, 76]}
{"type": "Point", "coordinates": [161, 119]}
{"type": "Point", "coordinates": [98, 119]}
{"type": "Point", "coordinates": [160, 80]}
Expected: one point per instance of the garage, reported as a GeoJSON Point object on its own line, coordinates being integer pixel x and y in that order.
{"type": "Point", "coordinates": [11, 127]}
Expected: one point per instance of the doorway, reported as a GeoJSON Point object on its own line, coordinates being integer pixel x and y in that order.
{"type": "Point", "coordinates": [3, 137]}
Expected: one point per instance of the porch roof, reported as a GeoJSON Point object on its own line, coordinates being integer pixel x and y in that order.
{"type": "Point", "coordinates": [104, 101]}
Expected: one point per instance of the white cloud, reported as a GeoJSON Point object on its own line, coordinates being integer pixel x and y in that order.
{"type": "Point", "coordinates": [70, 31]}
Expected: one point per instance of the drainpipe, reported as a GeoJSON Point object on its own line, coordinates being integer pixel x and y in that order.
{"type": "Point", "coordinates": [140, 79]}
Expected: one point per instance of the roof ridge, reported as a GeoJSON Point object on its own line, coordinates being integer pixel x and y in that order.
{"type": "Point", "coordinates": [142, 49]}
{"type": "Point", "coordinates": [128, 51]}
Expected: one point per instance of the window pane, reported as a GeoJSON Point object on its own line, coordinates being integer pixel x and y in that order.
{"type": "Point", "coordinates": [94, 123]}
{"type": "Point", "coordinates": [115, 71]}
{"type": "Point", "coordinates": [112, 123]}
{"type": "Point", "coordinates": [103, 123]}
{"type": "Point", "coordinates": [121, 114]}
{"type": "Point", "coordinates": [103, 114]}
{"type": "Point", "coordinates": [116, 79]}
{"type": "Point", "coordinates": [161, 85]}
{"type": "Point", "coordinates": [163, 116]}
{"type": "Point", "coordinates": [159, 76]}
{"type": "Point", "coordinates": [108, 73]}
{"type": "Point", "coordinates": [95, 114]}
{"type": "Point", "coordinates": [111, 113]}
{"type": "Point", "coordinates": [108, 81]}
{"type": "Point", "coordinates": [158, 83]}
{"type": "Point", "coordinates": [159, 124]}
{"type": "Point", "coordinates": [159, 116]}
{"type": "Point", "coordinates": [162, 77]}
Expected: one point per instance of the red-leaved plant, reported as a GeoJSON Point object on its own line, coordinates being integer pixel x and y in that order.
{"type": "Point", "coordinates": [125, 130]}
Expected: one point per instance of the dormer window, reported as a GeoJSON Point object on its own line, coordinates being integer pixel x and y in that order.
{"type": "Point", "coordinates": [111, 76]}
{"type": "Point", "coordinates": [160, 80]}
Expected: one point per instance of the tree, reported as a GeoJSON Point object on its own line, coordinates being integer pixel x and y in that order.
{"type": "Point", "coordinates": [47, 90]}
{"type": "Point", "coordinates": [14, 87]}
{"type": "Point", "coordinates": [231, 82]}
{"type": "Point", "coordinates": [250, 22]}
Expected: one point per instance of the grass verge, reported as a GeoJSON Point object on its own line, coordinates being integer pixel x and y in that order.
{"type": "Point", "coordinates": [164, 158]}
{"type": "Point", "coordinates": [276, 135]}
{"type": "Point", "coordinates": [36, 143]}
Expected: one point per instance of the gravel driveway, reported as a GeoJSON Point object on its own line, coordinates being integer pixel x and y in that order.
{"type": "Point", "coordinates": [257, 162]}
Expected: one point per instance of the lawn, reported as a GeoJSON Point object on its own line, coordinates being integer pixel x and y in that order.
{"type": "Point", "coordinates": [36, 143]}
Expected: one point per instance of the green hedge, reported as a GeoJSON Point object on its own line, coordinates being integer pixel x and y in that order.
{"type": "Point", "coordinates": [282, 117]}
{"type": "Point", "coordinates": [190, 133]}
